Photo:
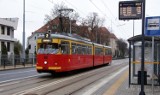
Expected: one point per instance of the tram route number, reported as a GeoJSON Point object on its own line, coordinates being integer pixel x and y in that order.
{"type": "Point", "coordinates": [47, 35]}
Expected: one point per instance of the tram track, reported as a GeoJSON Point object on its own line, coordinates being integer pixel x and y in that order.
{"type": "Point", "coordinates": [81, 81]}
{"type": "Point", "coordinates": [21, 84]}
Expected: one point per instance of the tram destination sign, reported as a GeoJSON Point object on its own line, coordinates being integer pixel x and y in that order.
{"type": "Point", "coordinates": [46, 40]}
{"type": "Point", "coordinates": [130, 10]}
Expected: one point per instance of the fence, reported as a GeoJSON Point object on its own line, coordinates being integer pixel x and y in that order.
{"type": "Point", "coordinates": [16, 61]}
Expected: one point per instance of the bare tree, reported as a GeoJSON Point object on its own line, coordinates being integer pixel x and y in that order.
{"type": "Point", "coordinates": [122, 47]}
{"type": "Point", "coordinates": [94, 22]}
{"type": "Point", "coordinates": [65, 17]}
{"type": "Point", "coordinates": [54, 12]}
{"type": "Point", "coordinates": [103, 36]}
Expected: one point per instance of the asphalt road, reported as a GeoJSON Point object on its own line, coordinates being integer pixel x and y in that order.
{"type": "Point", "coordinates": [27, 81]}
{"type": "Point", "coordinates": [17, 74]}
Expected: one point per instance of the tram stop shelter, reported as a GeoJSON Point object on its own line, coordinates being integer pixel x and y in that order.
{"type": "Point", "coordinates": [152, 69]}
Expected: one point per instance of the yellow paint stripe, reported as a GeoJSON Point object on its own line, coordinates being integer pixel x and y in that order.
{"type": "Point", "coordinates": [38, 67]}
{"type": "Point", "coordinates": [54, 68]}
{"type": "Point", "coordinates": [112, 90]}
{"type": "Point", "coordinates": [137, 62]}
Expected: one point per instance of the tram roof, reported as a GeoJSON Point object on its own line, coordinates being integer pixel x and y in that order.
{"type": "Point", "coordinates": [69, 37]}
{"type": "Point", "coordinates": [101, 45]}
{"type": "Point", "coordinates": [146, 38]}
{"type": "Point", "coordinates": [107, 47]}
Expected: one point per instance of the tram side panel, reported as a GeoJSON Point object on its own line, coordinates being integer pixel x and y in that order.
{"type": "Point", "coordinates": [107, 59]}
{"type": "Point", "coordinates": [81, 56]}
{"type": "Point", "coordinates": [107, 55]}
{"type": "Point", "coordinates": [98, 55]}
{"type": "Point", "coordinates": [81, 61]}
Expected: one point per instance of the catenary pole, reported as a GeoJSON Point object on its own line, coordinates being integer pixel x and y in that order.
{"type": "Point", "coordinates": [23, 53]}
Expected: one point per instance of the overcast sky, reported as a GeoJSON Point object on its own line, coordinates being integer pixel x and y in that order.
{"type": "Point", "coordinates": [108, 9]}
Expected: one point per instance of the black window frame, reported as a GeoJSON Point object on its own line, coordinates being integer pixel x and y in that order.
{"type": "Point", "coordinates": [2, 29]}
{"type": "Point", "coordinates": [8, 31]}
{"type": "Point", "coordinates": [8, 46]}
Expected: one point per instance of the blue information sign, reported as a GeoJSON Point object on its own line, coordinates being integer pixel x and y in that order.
{"type": "Point", "coordinates": [152, 27]}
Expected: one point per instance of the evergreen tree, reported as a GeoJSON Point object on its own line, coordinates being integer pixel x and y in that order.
{"type": "Point", "coordinates": [4, 49]}
{"type": "Point", "coordinates": [17, 48]}
{"type": "Point", "coordinates": [4, 54]}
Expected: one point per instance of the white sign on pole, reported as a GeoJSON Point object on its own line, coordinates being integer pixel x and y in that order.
{"type": "Point", "coordinates": [153, 24]}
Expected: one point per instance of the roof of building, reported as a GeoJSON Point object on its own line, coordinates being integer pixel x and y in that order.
{"type": "Point", "coordinates": [46, 27]}
{"type": "Point", "coordinates": [113, 36]}
{"type": "Point", "coordinates": [12, 22]}
{"type": "Point", "coordinates": [84, 29]}
{"type": "Point", "coordinates": [104, 30]}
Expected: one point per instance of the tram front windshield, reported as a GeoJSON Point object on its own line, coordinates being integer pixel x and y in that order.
{"type": "Point", "coordinates": [48, 48]}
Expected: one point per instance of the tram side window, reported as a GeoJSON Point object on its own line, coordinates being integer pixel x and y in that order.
{"type": "Point", "coordinates": [83, 49]}
{"type": "Point", "coordinates": [101, 51]}
{"type": "Point", "coordinates": [90, 50]}
{"type": "Point", "coordinates": [79, 49]}
{"type": "Point", "coordinates": [65, 47]}
{"type": "Point", "coordinates": [105, 51]}
{"type": "Point", "coordinates": [108, 52]}
{"type": "Point", "coordinates": [87, 49]}
{"type": "Point", "coordinates": [74, 48]}
{"type": "Point", "coordinates": [98, 51]}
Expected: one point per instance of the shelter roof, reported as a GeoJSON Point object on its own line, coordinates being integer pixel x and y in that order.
{"type": "Point", "coordinates": [146, 38]}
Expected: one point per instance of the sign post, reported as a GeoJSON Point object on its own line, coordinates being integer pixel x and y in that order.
{"type": "Point", "coordinates": [143, 41]}
{"type": "Point", "coordinates": [129, 10]}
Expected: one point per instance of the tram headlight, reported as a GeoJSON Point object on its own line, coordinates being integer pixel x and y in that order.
{"type": "Point", "coordinates": [45, 62]}
{"type": "Point", "coordinates": [55, 63]}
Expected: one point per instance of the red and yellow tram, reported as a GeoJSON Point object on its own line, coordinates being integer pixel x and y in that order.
{"type": "Point", "coordinates": [60, 53]}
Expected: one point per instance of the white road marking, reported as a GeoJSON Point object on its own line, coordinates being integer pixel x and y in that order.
{"type": "Point", "coordinates": [6, 84]}
{"type": "Point", "coordinates": [104, 81]}
{"type": "Point", "coordinates": [18, 79]}
{"type": "Point", "coordinates": [1, 90]}
{"type": "Point", "coordinates": [16, 73]}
